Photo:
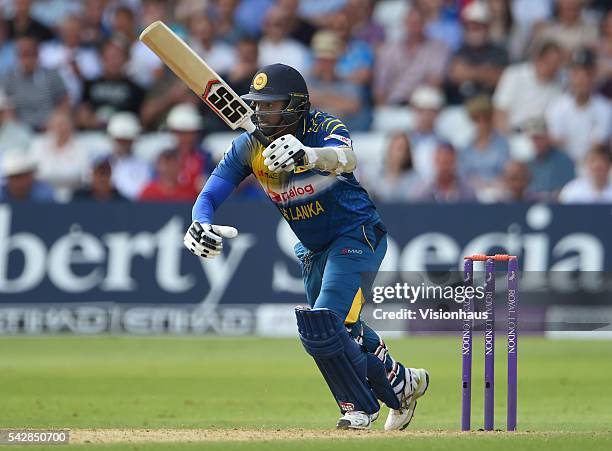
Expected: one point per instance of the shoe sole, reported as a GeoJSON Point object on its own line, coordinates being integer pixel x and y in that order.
{"type": "Point", "coordinates": [413, 403]}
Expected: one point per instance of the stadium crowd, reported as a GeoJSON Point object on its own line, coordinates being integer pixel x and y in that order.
{"type": "Point", "coordinates": [477, 100]}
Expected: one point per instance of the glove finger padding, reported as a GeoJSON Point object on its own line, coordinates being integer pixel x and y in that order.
{"type": "Point", "coordinates": [206, 240]}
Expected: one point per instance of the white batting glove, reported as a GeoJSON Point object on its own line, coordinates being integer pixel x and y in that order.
{"type": "Point", "coordinates": [206, 240]}
{"type": "Point", "coordinates": [283, 153]}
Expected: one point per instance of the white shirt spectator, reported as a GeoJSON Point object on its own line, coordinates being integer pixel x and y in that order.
{"type": "Point", "coordinates": [522, 95]}
{"type": "Point", "coordinates": [288, 51]}
{"type": "Point", "coordinates": [583, 191]}
{"type": "Point", "coordinates": [578, 127]}
{"type": "Point", "coordinates": [55, 55]}
{"type": "Point", "coordinates": [130, 175]}
{"type": "Point", "coordinates": [143, 64]}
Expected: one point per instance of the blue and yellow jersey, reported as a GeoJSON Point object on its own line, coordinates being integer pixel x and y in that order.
{"type": "Point", "coordinates": [319, 206]}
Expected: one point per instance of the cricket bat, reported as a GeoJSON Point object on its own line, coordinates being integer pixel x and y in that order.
{"type": "Point", "coordinates": [201, 79]}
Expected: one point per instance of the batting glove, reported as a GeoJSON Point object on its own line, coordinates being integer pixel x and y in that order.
{"type": "Point", "coordinates": [284, 153]}
{"type": "Point", "coordinates": [206, 240]}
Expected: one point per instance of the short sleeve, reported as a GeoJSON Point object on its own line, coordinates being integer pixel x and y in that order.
{"type": "Point", "coordinates": [502, 98]}
{"type": "Point", "coordinates": [236, 163]}
{"type": "Point", "coordinates": [333, 133]}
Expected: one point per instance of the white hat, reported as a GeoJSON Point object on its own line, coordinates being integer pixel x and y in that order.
{"type": "Point", "coordinates": [477, 11]}
{"type": "Point", "coordinates": [17, 161]}
{"type": "Point", "coordinates": [123, 125]}
{"type": "Point", "coordinates": [184, 118]}
{"type": "Point", "coordinates": [427, 97]}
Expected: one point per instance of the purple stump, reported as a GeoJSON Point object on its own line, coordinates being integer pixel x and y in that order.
{"type": "Point", "coordinates": [489, 345]}
{"type": "Point", "coordinates": [513, 333]}
{"type": "Point", "coordinates": [466, 348]}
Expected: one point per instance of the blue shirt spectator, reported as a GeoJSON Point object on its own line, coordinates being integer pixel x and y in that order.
{"type": "Point", "coordinates": [18, 167]}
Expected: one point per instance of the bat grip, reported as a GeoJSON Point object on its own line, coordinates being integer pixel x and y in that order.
{"type": "Point", "coordinates": [263, 139]}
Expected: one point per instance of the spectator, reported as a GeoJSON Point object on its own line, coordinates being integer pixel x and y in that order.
{"type": "Point", "coordinates": [113, 91]}
{"type": "Point", "coordinates": [276, 46]}
{"type": "Point", "coordinates": [581, 118]}
{"type": "Point", "coordinates": [202, 39]}
{"type": "Point", "coordinates": [356, 57]}
{"type": "Point", "coordinates": [515, 180]}
{"type": "Point", "coordinates": [328, 92]}
{"type": "Point", "coordinates": [365, 28]}
{"type": "Point", "coordinates": [397, 181]}
{"type": "Point", "coordinates": [167, 187]}
{"type": "Point", "coordinates": [101, 188]}
{"type": "Point", "coordinates": [447, 186]}
{"type": "Point", "coordinates": [167, 91]}
{"type": "Point", "coordinates": [476, 67]}
{"type": "Point", "coordinates": [404, 65]}
{"type": "Point", "coordinates": [23, 24]}
{"type": "Point", "coordinates": [8, 56]}
{"type": "Point", "coordinates": [195, 163]}
{"type": "Point", "coordinates": [95, 32]}
{"type": "Point", "coordinates": [18, 168]}
{"type": "Point", "coordinates": [34, 90]}
{"type": "Point", "coordinates": [251, 14]}
{"type": "Point", "coordinates": [604, 56]}
{"type": "Point", "coordinates": [571, 30]}
{"type": "Point", "coordinates": [13, 133]}
{"type": "Point", "coordinates": [595, 186]}
{"type": "Point", "coordinates": [441, 24]}
{"type": "Point", "coordinates": [129, 173]}
{"type": "Point", "coordinates": [551, 168]}
{"type": "Point", "coordinates": [247, 64]}
{"type": "Point", "coordinates": [427, 103]}
{"type": "Point", "coordinates": [482, 162]}
{"type": "Point", "coordinates": [143, 66]}
{"type": "Point", "coordinates": [501, 27]}
{"type": "Point", "coordinates": [526, 89]}
{"type": "Point", "coordinates": [299, 29]}
{"type": "Point", "coordinates": [224, 16]}
{"type": "Point", "coordinates": [62, 162]}
{"type": "Point", "coordinates": [73, 60]}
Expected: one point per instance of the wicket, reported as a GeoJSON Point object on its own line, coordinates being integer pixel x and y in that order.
{"type": "Point", "coordinates": [489, 338]}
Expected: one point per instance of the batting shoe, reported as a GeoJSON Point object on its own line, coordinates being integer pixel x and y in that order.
{"type": "Point", "coordinates": [417, 381]}
{"type": "Point", "coordinates": [356, 419]}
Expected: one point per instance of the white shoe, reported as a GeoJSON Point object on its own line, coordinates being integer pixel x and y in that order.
{"type": "Point", "coordinates": [417, 382]}
{"type": "Point", "coordinates": [356, 419]}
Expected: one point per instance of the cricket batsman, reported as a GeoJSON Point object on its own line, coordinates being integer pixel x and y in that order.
{"type": "Point", "coordinates": [307, 171]}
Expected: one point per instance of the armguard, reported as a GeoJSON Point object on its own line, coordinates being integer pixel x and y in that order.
{"type": "Point", "coordinates": [331, 159]}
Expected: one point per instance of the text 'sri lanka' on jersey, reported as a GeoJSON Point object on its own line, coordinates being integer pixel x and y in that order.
{"type": "Point", "coordinates": [319, 206]}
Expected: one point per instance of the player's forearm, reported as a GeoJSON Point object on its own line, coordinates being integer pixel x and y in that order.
{"type": "Point", "coordinates": [210, 198]}
{"type": "Point", "coordinates": [331, 159]}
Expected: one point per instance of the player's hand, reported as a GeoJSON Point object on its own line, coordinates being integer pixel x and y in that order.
{"type": "Point", "coordinates": [283, 153]}
{"type": "Point", "coordinates": [206, 240]}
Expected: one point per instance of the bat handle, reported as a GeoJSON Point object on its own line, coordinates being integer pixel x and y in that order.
{"type": "Point", "coordinates": [263, 139]}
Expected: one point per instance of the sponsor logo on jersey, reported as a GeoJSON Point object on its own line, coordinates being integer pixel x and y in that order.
{"type": "Point", "coordinates": [348, 250]}
{"type": "Point", "coordinates": [302, 212]}
{"type": "Point", "coordinates": [267, 175]}
{"type": "Point", "coordinates": [340, 138]}
{"type": "Point", "coordinates": [293, 193]}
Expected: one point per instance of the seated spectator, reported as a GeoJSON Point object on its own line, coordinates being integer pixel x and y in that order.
{"type": "Point", "coordinates": [482, 162]}
{"type": "Point", "coordinates": [476, 67]}
{"type": "Point", "coordinates": [570, 29]}
{"type": "Point", "coordinates": [74, 61]}
{"type": "Point", "coordinates": [95, 31]}
{"type": "Point", "coordinates": [403, 66]}
{"type": "Point", "coordinates": [328, 92]}
{"type": "Point", "coordinates": [441, 23]}
{"type": "Point", "coordinates": [167, 91]}
{"type": "Point", "coordinates": [299, 29]}
{"type": "Point", "coordinates": [246, 66]}
{"type": "Point", "coordinates": [447, 185]}
{"type": "Point", "coordinates": [526, 89]}
{"type": "Point", "coordinates": [516, 180]}
{"type": "Point", "coordinates": [528, 16]}
{"type": "Point", "coordinates": [112, 92]}
{"type": "Point", "coordinates": [427, 103]}
{"type": "Point", "coordinates": [365, 27]}
{"type": "Point", "coordinates": [62, 162]}
{"type": "Point", "coordinates": [581, 118]}
{"type": "Point", "coordinates": [502, 30]}
{"type": "Point", "coordinates": [595, 187]}
{"type": "Point", "coordinates": [101, 188]}
{"type": "Point", "coordinates": [8, 56]}
{"type": "Point", "coordinates": [166, 187]}
{"type": "Point", "coordinates": [14, 134]}
{"type": "Point", "coordinates": [129, 173]}
{"type": "Point", "coordinates": [223, 14]}
{"type": "Point", "coordinates": [551, 168]}
{"type": "Point", "coordinates": [604, 57]}
{"type": "Point", "coordinates": [195, 163]}
{"type": "Point", "coordinates": [34, 90]}
{"type": "Point", "coordinates": [203, 40]}
{"type": "Point", "coordinates": [23, 24]}
{"type": "Point", "coordinates": [250, 15]}
{"type": "Point", "coordinates": [18, 167]}
{"type": "Point", "coordinates": [276, 46]}
{"type": "Point", "coordinates": [397, 181]}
